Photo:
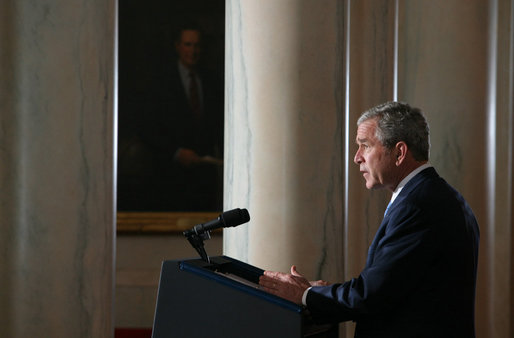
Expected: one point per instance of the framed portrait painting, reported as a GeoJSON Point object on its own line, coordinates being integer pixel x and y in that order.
{"type": "Point", "coordinates": [170, 114]}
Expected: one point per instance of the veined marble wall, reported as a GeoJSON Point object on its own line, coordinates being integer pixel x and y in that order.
{"type": "Point", "coordinates": [299, 73]}
{"type": "Point", "coordinates": [57, 141]}
{"type": "Point", "coordinates": [284, 134]}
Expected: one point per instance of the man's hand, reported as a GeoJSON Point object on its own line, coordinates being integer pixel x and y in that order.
{"type": "Point", "coordinates": [187, 157]}
{"type": "Point", "coordinates": [289, 286]}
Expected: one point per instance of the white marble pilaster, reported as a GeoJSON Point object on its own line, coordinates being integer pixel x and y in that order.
{"type": "Point", "coordinates": [284, 134]}
{"type": "Point", "coordinates": [57, 141]}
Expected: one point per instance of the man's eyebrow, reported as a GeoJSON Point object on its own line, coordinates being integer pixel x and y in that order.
{"type": "Point", "coordinates": [361, 140]}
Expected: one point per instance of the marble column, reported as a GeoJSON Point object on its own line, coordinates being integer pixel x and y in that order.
{"type": "Point", "coordinates": [284, 134]}
{"type": "Point", "coordinates": [57, 141]}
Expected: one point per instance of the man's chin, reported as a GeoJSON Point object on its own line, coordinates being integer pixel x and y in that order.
{"type": "Point", "coordinates": [373, 186]}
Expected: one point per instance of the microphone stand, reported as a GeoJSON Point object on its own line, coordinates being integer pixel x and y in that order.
{"type": "Point", "coordinates": [196, 241]}
{"type": "Point", "coordinates": [201, 232]}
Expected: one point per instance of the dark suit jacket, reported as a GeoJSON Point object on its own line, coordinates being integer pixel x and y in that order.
{"type": "Point", "coordinates": [420, 275]}
{"type": "Point", "coordinates": [152, 180]}
{"type": "Point", "coordinates": [173, 113]}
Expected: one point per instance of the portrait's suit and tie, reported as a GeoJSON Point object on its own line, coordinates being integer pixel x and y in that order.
{"type": "Point", "coordinates": [175, 126]}
{"type": "Point", "coordinates": [172, 158]}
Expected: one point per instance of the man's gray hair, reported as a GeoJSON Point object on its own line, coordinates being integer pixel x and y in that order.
{"type": "Point", "coordinates": [397, 121]}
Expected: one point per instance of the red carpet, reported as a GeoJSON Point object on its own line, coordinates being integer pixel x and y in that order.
{"type": "Point", "coordinates": [132, 333]}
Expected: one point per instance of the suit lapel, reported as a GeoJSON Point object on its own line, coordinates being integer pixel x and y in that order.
{"type": "Point", "coordinates": [411, 185]}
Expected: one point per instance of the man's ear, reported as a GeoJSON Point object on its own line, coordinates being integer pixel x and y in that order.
{"type": "Point", "coordinates": [400, 151]}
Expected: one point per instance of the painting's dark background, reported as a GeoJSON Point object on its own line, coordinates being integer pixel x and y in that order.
{"type": "Point", "coordinates": [146, 44]}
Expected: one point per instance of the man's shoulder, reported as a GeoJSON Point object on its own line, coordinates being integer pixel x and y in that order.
{"type": "Point", "coordinates": [429, 191]}
{"type": "Point", "coordinates": [425, 179]}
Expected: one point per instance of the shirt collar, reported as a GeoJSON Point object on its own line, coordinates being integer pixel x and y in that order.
{"type": "Point", "coordinates": [403, 182]}
{"type": "Point", "coordinates": [184, 73]}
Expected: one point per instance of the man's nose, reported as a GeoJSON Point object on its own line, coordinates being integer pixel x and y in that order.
{"type": "Point", "coordinates": [357, 158]}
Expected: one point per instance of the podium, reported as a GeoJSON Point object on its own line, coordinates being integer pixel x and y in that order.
{"type": "Point", "coordinates": [221, 298]}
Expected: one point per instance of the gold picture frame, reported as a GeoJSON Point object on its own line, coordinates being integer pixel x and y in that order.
{"type": "Point", "coordinates": [160, 222]}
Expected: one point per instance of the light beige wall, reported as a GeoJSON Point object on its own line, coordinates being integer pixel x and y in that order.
{"type": "Point", "coordinates": [138, 267]}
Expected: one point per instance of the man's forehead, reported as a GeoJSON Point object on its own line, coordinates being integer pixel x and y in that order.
{"type": "Point", "coordinates": [366, 131]}
{"type": "Point", "coordinates": [361, 139]}
{"type": "Point", "coordinates": [189, 34]}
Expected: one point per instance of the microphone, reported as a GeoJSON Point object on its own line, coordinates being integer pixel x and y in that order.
{"type": "Point", "coordinates": [227, 219]}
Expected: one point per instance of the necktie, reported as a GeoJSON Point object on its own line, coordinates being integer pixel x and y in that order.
{"type": "Point", "coordinates": [194, 98]}
{"type": "Point", "coordinates": [387, 209]}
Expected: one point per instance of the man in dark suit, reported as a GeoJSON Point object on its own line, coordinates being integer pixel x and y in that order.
{"type": "Point", "coordinates": [186, 136]}
{"type": "Point", "coordinates": [420, 275]}
{"type": "Point", "coordinates": [181, 135]}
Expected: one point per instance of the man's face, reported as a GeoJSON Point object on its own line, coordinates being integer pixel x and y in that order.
{"type": "Point", "coordinates": [188, 48]}
{"type": "Point", "coordinates": [375, 161]}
